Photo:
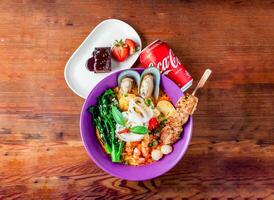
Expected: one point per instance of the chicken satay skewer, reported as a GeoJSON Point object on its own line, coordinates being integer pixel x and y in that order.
{"type": "Point", "coordinates": [188, 103]}
{"type": "Point", "coordinates": [191, 103]}
{"type": "Point", "coordinates": [185, 107]}
{"type": "Point", "coordinates": [202, 81]}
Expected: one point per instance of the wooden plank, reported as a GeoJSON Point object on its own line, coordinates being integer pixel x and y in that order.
{"type": "Point", "coordinates": [231, 155]}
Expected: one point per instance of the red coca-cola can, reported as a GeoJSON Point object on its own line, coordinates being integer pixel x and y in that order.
{"type": "Point", "coordinates": [160, 55]}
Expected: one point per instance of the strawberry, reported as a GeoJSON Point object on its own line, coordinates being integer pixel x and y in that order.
{"type": "Point", "coordinates": [120, 51]}
{"type": "Point", "coordinates": [132, 46]}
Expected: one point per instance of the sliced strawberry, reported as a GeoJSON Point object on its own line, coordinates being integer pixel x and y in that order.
{"type": "Point", "coordinates": [132, 46]}
{"type": "Point", "coordinates": [120, 51]}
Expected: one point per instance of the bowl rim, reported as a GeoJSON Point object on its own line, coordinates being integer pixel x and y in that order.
{"type": "Point", "coordinates": [168, 168]}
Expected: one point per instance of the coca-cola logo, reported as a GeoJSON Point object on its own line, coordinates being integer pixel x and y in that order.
{"type": "Point", "coordinates": [169, 61]}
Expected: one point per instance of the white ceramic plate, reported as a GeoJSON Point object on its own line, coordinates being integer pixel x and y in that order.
{"type": "Point", "coordinates": [78, 77]}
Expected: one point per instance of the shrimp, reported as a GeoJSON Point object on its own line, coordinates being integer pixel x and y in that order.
{"type": "Point", "coordinates": [136, 153]}
{"type": "Point", "coordinates": [145, 151]}
{"type": "Point", "coordinates": [141, 160]}
{"type": "Point", "coordinates": [129, 148]}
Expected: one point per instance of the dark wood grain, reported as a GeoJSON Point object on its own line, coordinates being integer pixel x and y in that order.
{"type": "Point", "coordinates": [231, 155]}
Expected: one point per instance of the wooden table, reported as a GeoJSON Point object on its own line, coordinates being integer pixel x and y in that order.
{"type": "Point", "coordinates": [231, 155]}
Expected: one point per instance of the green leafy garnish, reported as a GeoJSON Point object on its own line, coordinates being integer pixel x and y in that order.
{"type": "Point", "coordinates": [139, 130]}
{"type": "Point", "coordinates": [117, 115]}
{"type": "Point", "coordinates": [153, 143]}
{"type": "Point", "coordinates": [148, 102]}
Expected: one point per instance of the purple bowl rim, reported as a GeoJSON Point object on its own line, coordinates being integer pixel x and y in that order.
{"type": "Point", "coordinates": [175, 162]}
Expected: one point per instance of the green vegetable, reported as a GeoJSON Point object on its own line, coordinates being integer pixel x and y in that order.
{"type": "Point", "coordinates": [153, 143]}
{"type": "Point", "coordinates": [139, 130]}
{"type": "Point", "coordinates": [117, 115]}
{"type": "Point", "coordinates": [148, 102]}
{"type": "Point", "coordinates": [116, 154]}
{"type": "Point", "coordinates": [98, 123]}
{"type": "Point", "coordinates": [104, 121]}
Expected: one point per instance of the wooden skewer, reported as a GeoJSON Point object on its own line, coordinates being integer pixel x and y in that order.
{"type": "Point", "coordinates": [202, 80]}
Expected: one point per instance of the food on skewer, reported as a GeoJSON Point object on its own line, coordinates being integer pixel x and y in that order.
{"type": "Point", "coordinates": [184, 108]}
{"type": "Point", "coordinates": [174, 126]}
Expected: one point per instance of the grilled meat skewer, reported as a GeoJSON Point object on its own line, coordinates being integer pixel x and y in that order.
{"type": "Point", "coordinates": [184, 108]}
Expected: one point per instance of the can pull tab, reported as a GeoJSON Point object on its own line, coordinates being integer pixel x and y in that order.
{"type": "Point", "coordinates": [202, 80]}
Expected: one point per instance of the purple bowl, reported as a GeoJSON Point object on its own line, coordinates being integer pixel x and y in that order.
{"type": "Point", "coordinates": [134, 173]}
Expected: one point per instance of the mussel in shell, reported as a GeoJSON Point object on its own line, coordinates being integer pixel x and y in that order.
{"type": "Point", "coordinates": [150, 83]}
{"type": "Point", "coordinates": [126, 80]}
